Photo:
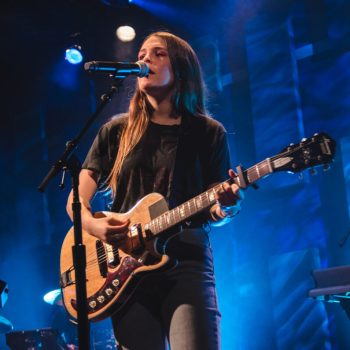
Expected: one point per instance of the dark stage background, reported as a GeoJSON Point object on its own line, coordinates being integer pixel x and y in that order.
{"type": "Point", "coordinates": [276, 71]}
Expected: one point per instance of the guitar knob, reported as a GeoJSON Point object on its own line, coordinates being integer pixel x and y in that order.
{"type": "Point", "coordinates": [92, 304]}
{"type": "Point", "coordinates": [326, 167]}
{"type": "Point", "coordinates": [115, 283]}
{"type": "Point", "coordinates": [109, 291]}
{"type": "Point", "coordinates": [101, 299]}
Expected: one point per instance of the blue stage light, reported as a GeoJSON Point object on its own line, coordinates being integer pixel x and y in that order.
{"type": "Point", "coordinates": [54, 297]}
{"type": "Point", "coordinates": [74, 55]}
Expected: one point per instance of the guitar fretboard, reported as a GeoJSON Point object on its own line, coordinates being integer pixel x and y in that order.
{"type": "Point", "coordinates": [205, 200]}
{"type": "Point", "coordinates": [258, 171]}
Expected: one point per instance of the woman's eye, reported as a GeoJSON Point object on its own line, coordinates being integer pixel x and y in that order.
{"type": "Point", "coordinates": [141, 57]}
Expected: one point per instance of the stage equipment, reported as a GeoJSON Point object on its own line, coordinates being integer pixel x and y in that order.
{"type": "Point", "coordinates": [332, 286]}
{"type": "Point", "coordinates": [74, 54]}
{"type": "Point", "coordinates": [43, 339]}
{"type": "Point", "coordinates": [118, 69]}
{"type": "Point", "coordinates": [68, 161]}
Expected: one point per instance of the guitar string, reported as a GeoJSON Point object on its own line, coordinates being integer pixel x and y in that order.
{"type": "Point", "coordinates": [101, 250]}
{"type": "Point", "coordinates": [92, 263]}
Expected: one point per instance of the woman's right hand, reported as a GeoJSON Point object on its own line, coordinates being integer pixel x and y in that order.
{"type": "Point", "coordinates": [108, 229]}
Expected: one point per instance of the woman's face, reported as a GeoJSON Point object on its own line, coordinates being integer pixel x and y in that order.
{"type": "Point", "coordinates": [161, 77]}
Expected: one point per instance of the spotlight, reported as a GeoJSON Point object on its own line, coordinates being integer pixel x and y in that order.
{"type": "Point", "coordinates": [74, 55]}
{"type": "Point", "coordinates": [125, 33]}
{"type": "Point", "coordinates": [54, 297]}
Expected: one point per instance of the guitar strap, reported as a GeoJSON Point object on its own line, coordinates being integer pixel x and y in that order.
{"type": "Point", "coordinates": [186, 153]}
{"type": "Point", "coordinates": [175, 161]}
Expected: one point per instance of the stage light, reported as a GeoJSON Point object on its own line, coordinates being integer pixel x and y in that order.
{"type": "Point", "coordinates": [74, 55]}
{"type": "Point", "coordinates": [125, 33]}
{"type": "Point", "coordinates": [53, 297]}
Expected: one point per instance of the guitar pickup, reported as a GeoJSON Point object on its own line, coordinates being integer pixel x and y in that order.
{"type": "Point", "coordinates": [101, 258]}
{"type": "Point", "coordinates": [66, 278]}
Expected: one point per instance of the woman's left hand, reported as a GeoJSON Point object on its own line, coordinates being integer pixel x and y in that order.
{"type": "Point", "coordinates": [230, 195]}
{"type": "Point", "coordinates": [229, 199]}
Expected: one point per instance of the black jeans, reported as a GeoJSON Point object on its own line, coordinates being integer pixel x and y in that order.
{"type": "Point", "coordinates": [178, 307]}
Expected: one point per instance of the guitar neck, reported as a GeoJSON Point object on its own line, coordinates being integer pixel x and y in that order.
{"type": "Point", "coordinates": [206, 199]}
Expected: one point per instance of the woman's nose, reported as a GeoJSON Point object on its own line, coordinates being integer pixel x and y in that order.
{"type": "Point", "coordinates": [147, 58]}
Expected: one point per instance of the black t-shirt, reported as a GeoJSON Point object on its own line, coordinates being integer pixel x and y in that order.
{"type": "Point", "coordinates": [177, 161]}
{"type": "Point", "coordinates": [149, 166]}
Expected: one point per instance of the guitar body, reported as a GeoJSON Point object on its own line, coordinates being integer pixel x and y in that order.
{"type": "Point", "coordinates": [112, 273]}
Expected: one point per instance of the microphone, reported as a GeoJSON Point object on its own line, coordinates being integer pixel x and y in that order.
{"type": "Point", "coordinates": [121, 69]}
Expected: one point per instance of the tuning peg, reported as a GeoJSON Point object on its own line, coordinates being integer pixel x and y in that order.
{"type": "Point", "coordinates": [290, 147]}
{"type": "Point", "coordinates": [326, 167]}
{"type": "Point", "coordinates": [312, 171]}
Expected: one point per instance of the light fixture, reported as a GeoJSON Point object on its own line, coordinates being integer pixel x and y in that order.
{"type": "Point", "coordinates": [74, 55]}
{"type": "Point", "coordinates": [125, 33]}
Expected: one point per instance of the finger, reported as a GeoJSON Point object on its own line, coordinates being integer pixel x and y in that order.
{"type": "Point", "coordinates": [117, 222]}
{"type": "Point", "coordinates": [236, 190]}
{"type": "Point", "coordinates": [116, 238]}
{"type": "Point", "coordinates": [232, 195]}
{"type": "Point", "coordinates": [220, 192]}
{"type": "Point", "coordinates": [120, 229]}
{"type": "Point", "coordinates": [232, 173]}
{"type": "Point", "coordinates": [119, 236]}
{"type": "Point", "coordinates": [228, 190]}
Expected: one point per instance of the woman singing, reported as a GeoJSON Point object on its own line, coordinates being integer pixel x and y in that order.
{"type": "Point", "coordinates": [165, 143]}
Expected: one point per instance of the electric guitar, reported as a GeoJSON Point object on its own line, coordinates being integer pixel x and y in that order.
{"type": "Point", "coordinates": [113, 272]}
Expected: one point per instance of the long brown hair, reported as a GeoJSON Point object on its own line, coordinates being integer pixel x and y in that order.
{"type": "Point", "coordinates": [188, 99]}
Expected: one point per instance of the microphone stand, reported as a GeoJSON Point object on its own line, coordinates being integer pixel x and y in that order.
{"type": "Point", "coordinates": [68, 161]}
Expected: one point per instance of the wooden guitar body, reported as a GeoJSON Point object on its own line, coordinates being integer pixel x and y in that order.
{"type": "Point", "coordinates": [112, 273]}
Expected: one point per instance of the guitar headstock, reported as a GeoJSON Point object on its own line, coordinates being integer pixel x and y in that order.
{"type": "Point", "coordinates": [309, 153]}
